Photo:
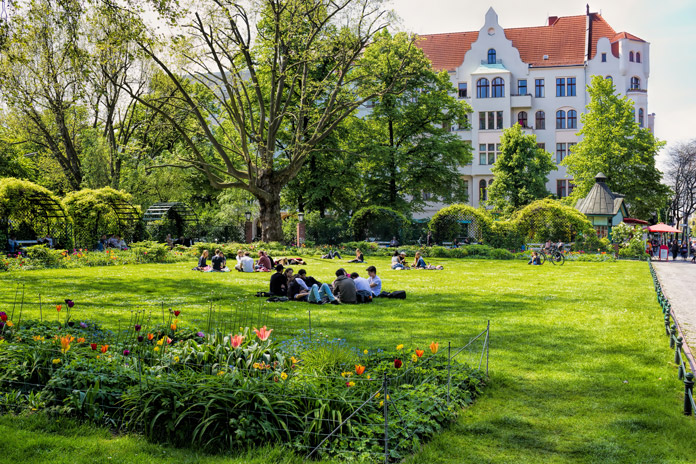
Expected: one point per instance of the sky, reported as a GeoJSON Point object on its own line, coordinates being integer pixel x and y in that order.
{"type": "Point", "coordinates": [668, 25]}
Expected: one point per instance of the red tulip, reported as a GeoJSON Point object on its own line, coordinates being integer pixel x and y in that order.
{"type": "Point", "coordinates": [177, 312]}
{"type": "Point", "coordinates": [59, 307]}
{"type": "Point", "coordinates": [236, 341]}
{"type": "Point", "coordinates": [93, 346]}
{"type": "Point", "coordinates": [397, 363]}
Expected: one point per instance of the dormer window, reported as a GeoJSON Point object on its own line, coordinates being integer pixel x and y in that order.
{"type": "Point", "coordinates": [491, 56]}
{"type": "Point", "coordinates": [630, 57]}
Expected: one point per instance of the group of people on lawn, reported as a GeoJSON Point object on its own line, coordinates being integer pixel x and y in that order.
{"type": "Point", "coordinates": [398, 262]}
{"type": "Point", "coordinates": [346, 288]}
{"type": "Point", "coordinates": [245, 263]}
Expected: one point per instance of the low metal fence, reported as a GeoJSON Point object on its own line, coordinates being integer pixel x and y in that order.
{"type": "Point", "coordinates": [682, 354]}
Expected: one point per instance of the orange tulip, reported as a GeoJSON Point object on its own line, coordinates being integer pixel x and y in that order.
{"type": "Point", "coordinates": [65, 342]}
{"type": "Point", "coordinates": [59, 307]}
{"type": "Point", "coordinates": [150, 336]}
{"type": "Point", "coordinates": [173, 326]}
{"type": "Point", "coordinates": [81, 340]}
{"type": "Point", "coordinates": [434, 346]}
{"type": "Point", "coordinates": [104, 348]}
{"type": "Point", "coordinates": [359, 369]}
{"type": "Point", "coordinates": [419, 353]}
{"type": "Point", "coordinates": [236, 341]}
{"type": "Point", "coordinates": [263, 334]}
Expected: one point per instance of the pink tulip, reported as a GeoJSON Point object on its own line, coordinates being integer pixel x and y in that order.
{"type": "Point", "coordinates": [236, 341]}
{"type": "Point", "coordinates": [263, 334]}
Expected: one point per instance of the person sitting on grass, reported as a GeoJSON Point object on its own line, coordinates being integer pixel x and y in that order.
{"type": "Point", "coordinates": [397, 262]}
{"type": "Point", "coordinates": [309, 281]}
{"type": "Point", "coordinates": [296, 291]}
{"type": "Point", "coordinates": [419, 263]}
{"type": "Point", "coordinates": [202, 264]}
{"type": "Point", "coordinates": [279, 283]}
{"type": "Point", "coordinates": [240, 255]}
{"type": "Point", "coordinates": [359, 258]}
{"type": "Point", "coordinates": [374, 281]}
{"type": "Point", "coordinates": [246, 263]}
{"type": "Point", "coordinates": [535, 260]}
{"type": "Point", "coordinates": [362, 287]}
{"type": "Point", "coordinates": [219, 262]}
{"type": "Point", "coordinates": [264, 262]}
{"type": "Point", "coordinates": [344, 288]}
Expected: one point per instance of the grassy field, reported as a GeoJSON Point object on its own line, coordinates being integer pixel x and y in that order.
{"type": "Point", "coordinates": [580, 368]}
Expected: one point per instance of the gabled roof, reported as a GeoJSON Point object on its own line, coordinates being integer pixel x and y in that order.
{"type": "Point", "coordinates": [601, 201]}
{"type": "Point", "coordinates": [563, 41]}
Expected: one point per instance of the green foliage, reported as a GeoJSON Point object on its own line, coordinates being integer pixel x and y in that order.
{"type": "Point", "coordinates": [551, 220]}
{"type": "Point", "coordinates": [521, 171]}
{"type": "Point", "coordinates": [95, 213]}
{"type": "Point", "coordinates": [446, 224]}
{"type": "Point", "coordinates": [404, 144]}
{"type": "Point", "coordinates": [379, 222]}
{"type": "Point", "coordinates": [614, 144]}
{"type": "Point", "coordinates": [330, 230]}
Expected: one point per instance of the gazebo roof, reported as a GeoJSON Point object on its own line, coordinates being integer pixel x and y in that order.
{"type": "Point", "coordinates": [601, 201]}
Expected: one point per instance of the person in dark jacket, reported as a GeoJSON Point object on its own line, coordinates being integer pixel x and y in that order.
{"type": "Point", "coordinates": [675, 248]}
{"type": "Point", "coordinates": [279, 283]}
{"type": "Point", "coordinates": [344, 288]}
{"type": "Point", "coordinates": [307, 280]}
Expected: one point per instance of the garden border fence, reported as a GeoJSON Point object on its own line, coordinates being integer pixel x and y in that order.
{"type": "Point", "coordinates": [678, 344]}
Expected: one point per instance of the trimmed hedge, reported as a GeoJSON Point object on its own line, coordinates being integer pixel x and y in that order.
{"type": "Point", "coordinates": [379, 222]}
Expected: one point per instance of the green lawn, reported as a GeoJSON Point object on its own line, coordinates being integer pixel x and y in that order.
{"type": "Point", "coordinates": [580, 368]}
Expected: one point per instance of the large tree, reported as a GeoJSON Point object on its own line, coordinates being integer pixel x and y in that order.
{"type": "Point", "coordinates": [406, 145]}
{"type": "Point", "coordinates": [614, 144]}
{"type": "Point", "coordinates": [521, 171]}
{"type": "Point", "coordinates": [284, 74]}
{"type": "Point", "coordinates": [681, 176]}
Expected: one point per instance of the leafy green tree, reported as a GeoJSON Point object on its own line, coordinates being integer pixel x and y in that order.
{"type": "Point", "coordinates": [614, 144]}
{"type": "Point", "coordinates": [261, 62]}
{"type": "Point", "coordinates": [521, 171]}
{"type": "Point", "coordinates": [405, 145]}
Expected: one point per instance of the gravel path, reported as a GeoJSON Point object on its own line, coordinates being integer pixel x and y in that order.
{"type": "Point", "coordinates": [678, 279]}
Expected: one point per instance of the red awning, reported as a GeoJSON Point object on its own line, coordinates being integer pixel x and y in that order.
{"type": "Point", "coordinates": [629, 220]}
{"type": "Point", "coordinates": [663, 228]}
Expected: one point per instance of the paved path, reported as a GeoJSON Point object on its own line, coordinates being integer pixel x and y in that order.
{"type": "Point", "coordinates": [678, 279]}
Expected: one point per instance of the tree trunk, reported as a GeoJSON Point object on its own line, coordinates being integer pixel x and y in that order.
{"type": "Point", "coordinates": [271, 222]}
{"type": "Point", "coordinates": [392, 167]}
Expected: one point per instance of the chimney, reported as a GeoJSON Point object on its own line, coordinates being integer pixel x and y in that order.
{"type": "Point", "coordinates": [600, 178]}
{"type": "Point", "coordinates": [552, 20]}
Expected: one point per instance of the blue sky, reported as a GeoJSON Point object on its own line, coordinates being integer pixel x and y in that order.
{"type": "Point", "coordinates": [669, 26]}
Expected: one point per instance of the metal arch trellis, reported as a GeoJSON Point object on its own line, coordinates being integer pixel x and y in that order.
{"type": "Point", "coordinates": [125, 212]}
{"type": "Point", "coordinates": [180, 214]}
{"type": "Point", "coordinates": [41, 206]}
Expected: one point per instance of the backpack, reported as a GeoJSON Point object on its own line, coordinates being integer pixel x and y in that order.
{"type": "Point", "coordinates": [363, 297]}
{"type": "Point", "coordinates": [398, 294]}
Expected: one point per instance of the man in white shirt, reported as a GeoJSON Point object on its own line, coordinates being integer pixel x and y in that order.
{"type": "Point", "coordinates": [374, 281]}
{"type": "Point", "coordinates": [247, 263]}
{"type": "Point", "coordinates": [362, 288]}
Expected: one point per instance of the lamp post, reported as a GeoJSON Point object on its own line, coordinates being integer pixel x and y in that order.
{"type": "Point", "coordinates": [300, 229]}
{"type": "Point", "coordinates": [248, 236]}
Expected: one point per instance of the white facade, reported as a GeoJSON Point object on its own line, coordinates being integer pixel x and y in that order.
{"type": "Point", "coordinates": [509, 66]}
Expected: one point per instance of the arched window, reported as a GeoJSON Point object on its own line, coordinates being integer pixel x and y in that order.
{"type": "Point", "coordinates": [633, 113]}
{"type": "Point", "coordinates": [641, 117]}
{"type": "Point", "coordinates": [482, 88]}
{"type": "Point", "coordinates": [560, 119]}
{"type": "Point", "coordinates": [522, 118]}
{"type": "Point", "coordinates": [572, 119]}
{"type": "Point", "coordinates": [630, 57]}
{"type": "Point", "coordinates": [637, 57]}
{"type": "Point", "coordinates": [491, 56]}
{"type": "Point", "coordinates": [635, 83]}
{"type": "Point", "coordinates": [483, 194]}
{"type": "Point", "coordinates": [498, 87]}
{"type": "Point", "coordinates": [610, 79]}
{"type": "Point", "coordinates": [540, 120]}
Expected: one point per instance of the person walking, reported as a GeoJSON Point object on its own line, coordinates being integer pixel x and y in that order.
{"type": "Point", "coordinates": [675, 249]}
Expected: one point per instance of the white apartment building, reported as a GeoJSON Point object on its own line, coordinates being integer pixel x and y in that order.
{"type": "Point", "coordinates": [536, 76]}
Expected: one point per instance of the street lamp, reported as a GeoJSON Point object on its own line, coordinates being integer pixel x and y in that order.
{"type": "Point", "coordinates": [300, 216]}
{"type": "Point", "coordinates": [247, 215]}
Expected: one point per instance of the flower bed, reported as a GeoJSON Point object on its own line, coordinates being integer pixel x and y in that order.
{"type": "Point", "coordinates": [222, 391]}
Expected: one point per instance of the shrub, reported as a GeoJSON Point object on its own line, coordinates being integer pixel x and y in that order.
{"type": "Point", "coordinates": [42, 256]}
{"type": "Point", "coordinates": [550, 220]}
{"type": "Point", "coordinates": [448, 223]}
{"type": "Point", "coordinates": [329, 230]}
{"type": "Point", "coordinates": [380, 223]}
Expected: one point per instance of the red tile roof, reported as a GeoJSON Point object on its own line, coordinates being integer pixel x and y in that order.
{"type": "Point", "coordinates": [563, 42]}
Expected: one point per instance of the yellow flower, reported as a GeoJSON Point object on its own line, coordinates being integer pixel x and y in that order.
{"type": "Point", "coordinates": [364, 351]}
{"type": "Point", "coordinates": [294, 360]}
{"type": "Point", "coordinates": [381, 403]}
{"type": "Point", "coordinates": [221, 373]}
{"type": "Point", "coordinates": [414, 358]}
{"type": "Point", "coordinates": [56, 361]}
{"type": "Point", "coordinates": [399, 347]}
{"type": "Point", "coordinates": [257, 366]}
{"type": "Point", "coordinates": [176, 359]}
{"type": "Point", "coordinates": [283, 375]}
{"type": "Point", "coordinates": [157, 348]}
{"type": "Point", "coordinates": [378, 395]}
{"type": "Point", "coordinates": [38, 338]}
{"type": "Point", "coordinates": [9, 323]}
{"type": "Point", "coordinates": [368, 376]}
{"type": "Point", "coordinates": [160, 341]}
{"type": "Point", "coordinates": [351, 384]}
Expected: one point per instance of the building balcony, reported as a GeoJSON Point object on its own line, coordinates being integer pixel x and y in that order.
{"type": "Point", "coordinates": [521, 101]}
{"type": "Point", "coordinates": [637, 91]}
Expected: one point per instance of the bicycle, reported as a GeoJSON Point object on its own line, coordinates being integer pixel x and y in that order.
{"type": "Point", "coordinates": [555, 255]}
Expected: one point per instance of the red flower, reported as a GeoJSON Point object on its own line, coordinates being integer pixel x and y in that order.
{"type": "Point", "coordinates": [177, 312]}
{"type": "Point", "coordinates": [93, 346]}
{"type": "Point", "coordinates": [419, 353]}
{"type": "Point", "coordinates": [263, 334]}
{"type": "Point", "coordinates": [59, 307]}
{"type": "Point", "coordinates": [397, 363]}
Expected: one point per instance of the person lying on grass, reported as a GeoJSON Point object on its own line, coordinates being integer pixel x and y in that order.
{"type": "Point", "coordinates": [298, 290]}
{"type": "Point", "coordinates": [419, 263]}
